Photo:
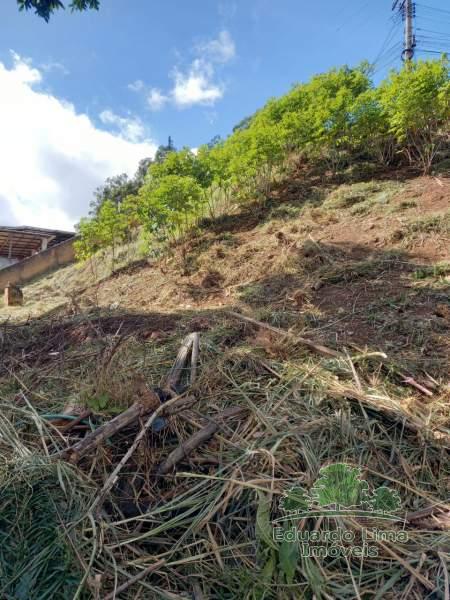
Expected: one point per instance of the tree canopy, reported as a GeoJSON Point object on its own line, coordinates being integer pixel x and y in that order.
{"type": "Point", "coordinates": [45, 8]}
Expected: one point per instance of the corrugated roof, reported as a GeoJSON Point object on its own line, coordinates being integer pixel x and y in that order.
{"type": "Point", "coordinates": [21, 242]}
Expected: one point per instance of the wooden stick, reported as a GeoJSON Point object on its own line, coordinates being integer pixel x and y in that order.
{"type": "Point", "coordinates": [126, 457]}
{"type": "Point", "coordinates": [84, 415]}
{"type": "Point", "coordinates": [176, 371]}
{"type": "Point", "coordinates": [295, 338]}
{"type": "Point", "coordinates": [94, 439]}
{"type": "Point", "coordinates": [194, 356]}
{"type": "Point", "coordinates": [135, 579]}
{"type": "Point", "coordinates": [198, 438]}
{"type": "Point", "coordinates": [411, 381]}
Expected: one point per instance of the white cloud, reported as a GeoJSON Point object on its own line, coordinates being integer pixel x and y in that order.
{"type": "Point", "coordinates": [156, 100]}
{"type": "Point", "coordinates": [130, 128]}
{"type": "Point", "coordinates": [196, 83]}
{"type": "Point", "coordinates": [136, 86]}
{"type": "Point", "coordinates": [51, 157]}
{"type": "Point", "coordinates": [196, 86]}
{"type": "Point", "coordinates": [52, 65]}
{"type": "Point", "coordinates": [221, 50]}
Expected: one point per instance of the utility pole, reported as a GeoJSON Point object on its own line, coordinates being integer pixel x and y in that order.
{"type": "Point", "coordinates": [407, 10]}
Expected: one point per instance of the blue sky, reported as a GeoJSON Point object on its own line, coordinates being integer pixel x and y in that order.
{"type": "Point", "coordinates": [145, 69]}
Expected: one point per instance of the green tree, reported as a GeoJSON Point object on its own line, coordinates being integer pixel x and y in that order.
{"type": "Point", "coordinates": [45, 8]}
{"type": "Point", "coordinates": [371, 134]}
{"type": "Point", "coordinates": [88, 241]}
{"type": "Point", "coordinates": [183, 163]}
{"type": "Point", "coordinates": [142, 171]}
{"type": "Point", "coordinates": [115, 189]}
{"type": "Point", "coordinates": [416, 101]}
{"type": "Point", "coordinates": [169, 205]}
{"type": "Point", "coordinates": [339, 486]}
{"type": "Point", "coordinates": [164, 151]}
{"type": "Point", "coordinates": [111, 227]}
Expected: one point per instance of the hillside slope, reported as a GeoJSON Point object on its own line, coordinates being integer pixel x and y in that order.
{"type": "Point", "coordinates": [362, 268]}
{"type": "Point", "coordinates": [366, 263]}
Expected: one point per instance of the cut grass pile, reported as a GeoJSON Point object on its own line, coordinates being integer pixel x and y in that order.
{"type": "Point", "coordinates": [207, 525]}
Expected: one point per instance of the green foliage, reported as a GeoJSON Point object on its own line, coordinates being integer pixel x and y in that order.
{"type": "Point", "coordinates": [163, 151]}
{"type": "Point", "coordinates": [99, 403]}
{"type": "Point", "coordinates": [116, 189]}
{"type": "Point", "coordinates": [88, 240]}
{"type": "Point", "coordinates": [107, 230]}
{"type": "Point", "coordinates": [416, 101]}
{"type": "Point", "coordinates": [335, 120]}
{"type": "Point", "coordinates": [45, 8]}
{"type": "Point", "coordinates": [288, 556]}
{"type": "Point", "coordinates": [170, 203]}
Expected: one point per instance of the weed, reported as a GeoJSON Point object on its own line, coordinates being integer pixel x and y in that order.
{"type": "Point", "coordinates": [437, 224]}
{"type": "Point", "coordinates": [437, 271]}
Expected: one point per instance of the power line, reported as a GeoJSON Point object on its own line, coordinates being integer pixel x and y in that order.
{"type": "Point", "coordinates": [438, 33]}
{"type": "Point", "coordinates": [388, 39]}
{"type": "Point", "coordinates": [432, 8]}
{"type": "Point", "coordinates": [439, 52]}
{"type": "Point", "coordinates": [391, 56]}
{"type": "Point", "coordinates": [356, 13]}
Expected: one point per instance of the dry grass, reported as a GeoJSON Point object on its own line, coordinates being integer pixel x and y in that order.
{"type": "Point", "coordinates": [302, 412]}
{"type": "Point", "coordinates": [209, 521]}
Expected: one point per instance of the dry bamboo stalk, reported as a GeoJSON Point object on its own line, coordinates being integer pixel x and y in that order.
{"type": "Point", "coordinates": [126, 457]}
{"type": "Point", "coordinates": [198, 438]}
{"type": "Point", "coordinates": [91, 441]}
{"type": "Point", "coordinates": [319, 348]}
{"type": "Point", "coordinates": [175, 373]}
{"type": "Point", "coordinates": [194, 356]}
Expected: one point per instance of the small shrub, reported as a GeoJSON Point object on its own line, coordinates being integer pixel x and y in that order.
{"type": "Point", "coordinates": [435, 224]}
{"type": "Point", "coordinates": [438, 270]}
{"type": "Point", "coordinates": [285, 212]}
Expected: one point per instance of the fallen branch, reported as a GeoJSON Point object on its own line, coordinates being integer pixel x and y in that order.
{"type": "Point", "coordinates": [412, 382]}
{"type": "Point", "coordinates": [319, 348]}
{"type": "Point", "coordinates": [173, 378]}
{"type": "Point", "coordinates": [75, 453]}
{"type": "Point", "coordinates": [148, 402]}
{"type": "Point", "coordinates": [126, 457]}
{"type": "Point", "coordinates": [198, 438]}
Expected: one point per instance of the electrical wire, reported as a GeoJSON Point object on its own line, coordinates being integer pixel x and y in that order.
{"type": "Point", "coordinates": [432, 8]}
{"type": "Point", "coordinates": [355, 14]}
{"type": "Point", "coordinates": [436, 52]}
{"type": "Point", "coordinates": [391, 57]}
{"type": "Point", "coordinates": [388, 39]}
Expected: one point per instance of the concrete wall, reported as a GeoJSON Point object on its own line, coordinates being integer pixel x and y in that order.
{"type": "Point", "coordinates": [6, 262]}
{"type": "Point", "coordinates": [40, 263]}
